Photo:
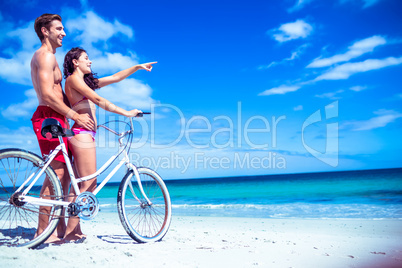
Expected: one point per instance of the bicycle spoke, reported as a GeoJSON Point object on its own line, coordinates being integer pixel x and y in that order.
{"type": "Point", "coordinates": [145, 221]}
{"type": "Point", "coordinates": [16, 167]}
{"type": "Point", "coordinates": [8, 173]}
{"type": "Point", "coordinates": [19, 220]}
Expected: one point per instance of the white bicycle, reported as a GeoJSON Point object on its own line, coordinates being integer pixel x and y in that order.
{"type": "Point", "coordinates": [143, 201]}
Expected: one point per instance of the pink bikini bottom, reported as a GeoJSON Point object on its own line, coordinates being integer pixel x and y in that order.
{"type": "Point", "coordinates": [79, 130]}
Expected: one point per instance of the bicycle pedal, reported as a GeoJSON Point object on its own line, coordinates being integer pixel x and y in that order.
{"type": "Point", "coordinates": [73, 210]}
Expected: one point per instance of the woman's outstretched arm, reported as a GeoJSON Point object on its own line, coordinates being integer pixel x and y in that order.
{"type": "Point", "coordinates": [117, 77]}
{"type": "Point", "coordinates": [79, 85]}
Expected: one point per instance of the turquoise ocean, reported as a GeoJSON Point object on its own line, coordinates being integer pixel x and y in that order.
{"type": "Point", "coordinates": [367, 194]}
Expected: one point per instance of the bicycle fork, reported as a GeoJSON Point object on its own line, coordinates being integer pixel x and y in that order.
{"type": "Point", "coordinates": [137, 176]}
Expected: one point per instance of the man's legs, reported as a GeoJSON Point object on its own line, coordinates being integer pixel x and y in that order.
{"type": "Point", "coordinates": [61, 172]}
{"type": "Point", "coordinates": [63, 175]}
{"type": "Point", "coordinates": [46, 145]}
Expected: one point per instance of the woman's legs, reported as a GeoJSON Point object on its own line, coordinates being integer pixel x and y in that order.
{"type": "Point", "coordinates": [84, 151]}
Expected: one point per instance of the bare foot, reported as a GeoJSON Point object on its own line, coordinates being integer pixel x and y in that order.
{"type": "Point", "coordinates": [74, 238]}
{"type": "Point", "coordinates": [53, 239]}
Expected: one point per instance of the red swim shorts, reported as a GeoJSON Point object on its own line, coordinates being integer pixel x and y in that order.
{"type": "Point", "coordinates": [45, 145]}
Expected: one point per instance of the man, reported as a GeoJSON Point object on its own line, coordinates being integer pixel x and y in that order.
{"type": "Point", "coordinates": [46, 78]}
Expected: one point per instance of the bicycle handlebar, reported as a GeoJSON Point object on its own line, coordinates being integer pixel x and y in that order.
{"type": "Point", "coordinates": [126, 132]}
{"type": "Point", "coordinates": [141, 114]}
{"type": "Point", "coordinates": [138, 115]}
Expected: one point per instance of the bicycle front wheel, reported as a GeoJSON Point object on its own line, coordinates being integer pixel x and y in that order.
{"type": "Point", "coordinates": [23, 224]}
{"type": "Point", "coordinates": [142, 221]}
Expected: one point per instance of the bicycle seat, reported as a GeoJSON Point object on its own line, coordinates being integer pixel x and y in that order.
{"type": "Point", "coordinates": [53, 127]}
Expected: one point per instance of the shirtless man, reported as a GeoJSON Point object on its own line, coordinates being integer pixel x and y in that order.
{"type": "Point", "coordinates": [46, 78]}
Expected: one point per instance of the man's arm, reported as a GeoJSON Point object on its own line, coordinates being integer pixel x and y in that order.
{"type": "Point", "coordinates": [46, 81]}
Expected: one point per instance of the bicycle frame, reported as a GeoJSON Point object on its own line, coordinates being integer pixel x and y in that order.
{"type": "Point", "coordinates": [74, 180]}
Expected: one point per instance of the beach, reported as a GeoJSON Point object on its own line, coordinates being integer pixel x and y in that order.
{"type": "Point", "coordinates": [226, 242]}
{"type": "Point", "coordinates": [342, 219]}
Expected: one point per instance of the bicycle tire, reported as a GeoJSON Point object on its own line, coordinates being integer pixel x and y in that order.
{"type": "Point", "coordinates": [19, 221]}
{"type": "Point", "coordinates": [144, 223]}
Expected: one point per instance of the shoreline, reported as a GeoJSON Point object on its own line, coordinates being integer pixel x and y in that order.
{"type": "Point", "coordinates": [227, 241]}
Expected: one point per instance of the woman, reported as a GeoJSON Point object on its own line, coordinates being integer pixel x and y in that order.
{"type": "Point", "coordinates": [80, 90]}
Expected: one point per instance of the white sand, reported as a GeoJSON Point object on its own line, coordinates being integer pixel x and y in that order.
{"type": "Point", "coordinates": [226, 242]}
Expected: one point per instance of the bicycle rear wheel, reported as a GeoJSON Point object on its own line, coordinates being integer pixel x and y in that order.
{"type": "Point", "coordinates": [144, 222]}
{"type": "Point", "coordinates": [19, 221]}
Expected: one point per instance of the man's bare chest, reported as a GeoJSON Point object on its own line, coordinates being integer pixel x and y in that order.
{"type": "Point", "coordinates": [57, 75]}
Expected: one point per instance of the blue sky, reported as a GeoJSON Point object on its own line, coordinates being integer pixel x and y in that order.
{"type": "Point", "coordinates": [240, 88]}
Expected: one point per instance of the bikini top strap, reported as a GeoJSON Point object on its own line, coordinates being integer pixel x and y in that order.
{"type": "Point", "coordinates": [84, 98]}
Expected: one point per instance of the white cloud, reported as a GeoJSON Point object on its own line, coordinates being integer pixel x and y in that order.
{"type": "Point", "coordinates": [16, 68]}
{"type": "Point", "coordinates": [330, 95]}
{"type": "Point", "coordinates": [26, 35]}
{"type": "Point", "coordinates": [357, 49]}
{"type": "Point", "coordinates": [344, 71]}
{"type": "Point", "coordinates": [279, 90]}
{"type": "Point", "coordinates": [24, 109]}
{"type": "Point", "coordinates": [383, 118]}
{"type": "Point", "coordinates": [93, 29]}
{"type": "Point", "coordinates": [23, 137]}
{"type": "Point", "coordinates": [298, 108]}
{"type": "Point", "coordinates": [369, 3]}
{"type": "Point", "coordinates": [366, 3]}
{"type": "Point", "coordinates": [113, 62]}
{"type": "Point", "coordinates": [292, 30]}
{"type": "Point", "coordinates": [299, 5]}
{"type": "Point", "coordinates": [358, 88]}
{"type": "Point", "coordinates": [129, 94]}
{"type": "Point", "coordinates": [295, 55]}
{"type": "Point", "coordinates": [264, 67]}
